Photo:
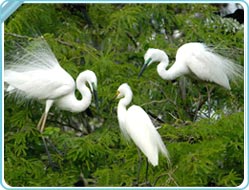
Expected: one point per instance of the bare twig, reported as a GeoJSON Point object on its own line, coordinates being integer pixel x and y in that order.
{"type": "Point", "coordinates": [64, 124]}
{"type": "Point", "coordinates": [17, 35]}
{"type": "Point", "coordinates": [64, 43]}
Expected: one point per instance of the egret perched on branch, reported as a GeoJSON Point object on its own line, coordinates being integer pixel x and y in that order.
{"type": "Point", "coordinates": [136, 124]}
{"type": "Point", "coordinates": [197, 60]}
{"type": "Point", "coordinates": [37, 74]}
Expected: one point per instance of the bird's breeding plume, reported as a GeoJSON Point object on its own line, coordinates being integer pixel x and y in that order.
{"type": "Point", "coordinates": [136, 124]}
{"type": "Point", "coordinates": [36, 73]}
{"type": "Point", "coordinates": [195, 59]}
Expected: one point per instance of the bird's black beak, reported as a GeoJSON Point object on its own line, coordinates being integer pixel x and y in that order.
{"type": "Point", "coordinates": [144, 67]}
{"type": "Point", "coordinates": [95, 95]}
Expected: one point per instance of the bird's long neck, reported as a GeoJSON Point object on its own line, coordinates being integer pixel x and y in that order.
{"type": "Point", "coordinates": [86, 95]}
{"type": "Point", "coordinates": [123, 103]}
{"type": "Point", "coordinates": [163, 73]}
{"type": "Point", "coordinates": [71, 103]}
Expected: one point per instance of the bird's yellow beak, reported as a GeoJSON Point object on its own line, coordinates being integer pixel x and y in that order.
{"type": "Point", "coordinates": [117, 93]}
{"type": "Point", "coordinates": [115, 97]}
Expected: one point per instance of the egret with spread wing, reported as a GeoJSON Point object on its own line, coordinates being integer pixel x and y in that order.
{"type": "Point", "coordinates": [37, 74]}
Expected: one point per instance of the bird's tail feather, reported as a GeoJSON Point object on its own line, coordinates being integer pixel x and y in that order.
{"type": "Point", "coordinates": [163, 150]}
{"type": "Point", "coordinates": [234, 72]}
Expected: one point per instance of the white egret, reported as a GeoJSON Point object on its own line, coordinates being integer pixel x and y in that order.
{"type": "Point", "coordinates": [37, 74]}
{"type": "Point", "coordinates": [136, 124]}
{"type": "Point", "coordinates": [197, 60]}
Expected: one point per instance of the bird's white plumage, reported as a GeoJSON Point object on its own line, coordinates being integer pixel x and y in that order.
{"type": "Point", "coordinates": [40, 84]}
{"type": "Point", "coordinates": [196, 59]}
{"type": "Point", "coordinates": [144, 134]}
{"type": "Point", "coordinates": [35, 73]}
{"type": "Point", "coordinates": [136, 124]}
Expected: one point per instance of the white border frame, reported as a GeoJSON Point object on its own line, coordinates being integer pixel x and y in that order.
{"type": "Point", "coordinates": [7, 7]}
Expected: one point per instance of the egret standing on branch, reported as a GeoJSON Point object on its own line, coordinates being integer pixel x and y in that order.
{"type": "Point", "coordinates": [195, 59]}
{"type": "Point", "coordinates": [198, 61]}
{"type": "Point", "coordinates": [37, 74]}
{"type": "Point", "coordinates": [136, 124]}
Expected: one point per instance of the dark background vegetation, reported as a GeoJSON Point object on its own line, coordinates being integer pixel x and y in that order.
{"type": "Point", "coordinates": [111, 39]}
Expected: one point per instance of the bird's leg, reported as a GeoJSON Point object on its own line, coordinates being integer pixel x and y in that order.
{"type": "Point", "coordinates": [146, 173]}
{"type": "Point", "coordinates": [54, 147]}
{"type": "Point", "coordinates": [43, 122]}
{"type": "Point", "coordinates": [209, 102]}
{"type": "Point", "coordinates": [182, 85]}
{"type": "Point", "coordinates": [41, 126]}
{"type": "Point", "coordinates": [199, 105]}
{"type": "Point", "coordinates": [209, 91]}
{"type": "Point", "coordinates": [49, 103]}
{"type": "Point", "coordinates": [47, 151]}
{"type": "Point", "coordinates": [139, 166]}
{"type": "Point", "coordinates": [40, 122]}
{"type": "Point", "coordinates": [46, 148]}
{"type": "Point", "coordinates": [52, 164]}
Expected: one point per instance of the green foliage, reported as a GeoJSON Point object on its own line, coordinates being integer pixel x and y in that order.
{"type": "Point", "coordinates": [205, 150]}
{"type": "Point", "coordinates": [111, 39]}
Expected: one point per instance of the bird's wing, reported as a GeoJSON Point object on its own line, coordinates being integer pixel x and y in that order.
{"type": "Point", "coordinates": [144, 134]}
{"type": "Point", "coordinates": [209, 66]}
{"type": "Point", "coordinates": [37, 55]}
{"type": "Point", "coordinates": [36, 73]}
{"type": "Point", "coordinates": [40, 84]}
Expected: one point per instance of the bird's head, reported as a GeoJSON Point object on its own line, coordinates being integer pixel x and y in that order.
{"type": "Point", "coordinates": [122, 90]}
{"type": "Point", "coordinates": [152, 55]}
{"type": "Point", "coordinates": [91, 79]}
